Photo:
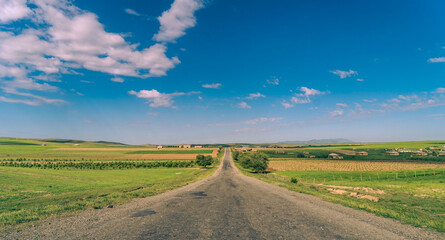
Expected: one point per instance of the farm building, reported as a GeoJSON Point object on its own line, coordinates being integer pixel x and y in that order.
{"type": "Point", "coordinates": [279, 152]}
{"type": "Point", "coordinates": [198, 146]}
{"type": "Point", "coordinates": [159, 147]}
{"type": "Point", "coordinates": [305, 152]}
{"type": "Point", "coordinates": [43, 144]}
{"type": "Point", "coordinates": [420, 153]}
{"type": "Point", "coordinates": [363, 153]}
{"type": "Point", "coordinates": [442, 153]}
{"type": "Point", "coordinates": [334, 156]}
{"type": "Point", "coordinates": [76, 144]}
{"type": "Point", "coordinates": [244, 149]}
{"type": "Point", "coordinates": [393, 153]}
{"type": "Point", "coordinates": [187, 146]}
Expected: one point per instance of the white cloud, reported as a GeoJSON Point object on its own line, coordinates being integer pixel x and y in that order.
{"type": "Point", "coordinates": [24, 101]}
{"type": "Point", "coordinates": [263, 120]}
{"type": "Point", "coordinates": [360, 80]}
{"type": "Point", "coordinates": [369, 100]}
{"type": "Point", "coordinates": [244, 105]}
{"type": "Point", "coordinates": [342, 105]}
{"type": "Point", "coordinates": [70, 38]}
{"type": "Point", "coordinates": [287, 105]}
{"type": "Point", "coordinates": [255, 96]}
{"type": "Point", "coordinates": [344, 74]}
{"type": "Point", "coordinates": [118, 79]}
{"type": "Point", "coordinates": [436, 60]}
{"type": "Point", "coordinates": [304, 97]}
{"type": "Point", "coordinates": [298, 100]}
{"type": "Point", "coordinates": [32, 100]}
{"type": "Point", "coordinates": [310, 91]}
{"type": "Point", "coordinates": [273, 81]}
{"type": "Point", "coordinates": [213, 85]}
{"type": "Point", "coordinates": [336, 113]}
{"type": "Point", "coordinates": [132, 12]}
{"type": "Point", "coordinates": [409, 98]}
{"type": "Point", "coordinates": [177, 19]}
{"type": "Point", "coordinates": [440, 90]}
{"type": "Point", "coordinates": [157, 99]}
{"type": "Point", "coordinates": [200, 98]}
{"type": "Point", "coordinates": [76, 39]}
{"type": "Point", "coordinates": [12, 10]}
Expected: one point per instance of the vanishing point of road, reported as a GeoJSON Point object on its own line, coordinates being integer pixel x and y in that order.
{"type": "Point", "coordinates": [227, 205]}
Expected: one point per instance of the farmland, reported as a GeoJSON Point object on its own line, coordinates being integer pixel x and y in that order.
{"type": "Point", "coordinates": [41, 178]}
{"type": "Point", "coordinates": [405, 187]}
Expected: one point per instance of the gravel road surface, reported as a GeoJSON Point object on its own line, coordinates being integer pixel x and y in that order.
{"type": "Point", "coordinates": [227, 205]}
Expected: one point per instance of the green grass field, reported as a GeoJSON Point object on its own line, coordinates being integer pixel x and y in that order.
{"type": "Point", "coordinates": [32, 194]}
{"type": "Point", "coordinates": [415, 196]}
{"type": "Point", "coordinates": [37, 181]}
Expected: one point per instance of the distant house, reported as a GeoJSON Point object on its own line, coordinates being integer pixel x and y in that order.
{"type": "Point", "coordinates": [198, 146]}
{"type": "Point", "coordinates": [363, 153]}
{"type": "Point", "coordinates": [420, 153]}
{"type": "Point", "coordinates": [187, 146]}
{"type": "Point", "coordinates": [76, 144]}
{"type": "Point", "coordinates": [244, 149]}
{"type": "Point", "coordinates": [43, 144]}
{"type": "Point", "coordinates": [279, 152]}
{"type": "Point", "coordinates": [393, 153]}
{"type": "Point", "coordinates": [442, 153]}
{"type": "Point", "coordinates": [305, 152]}
{"type": "Point", "coordinates": [311, 156]}
{"type": "Point", "coordinates": [159, 147]}
{"type": "Point", "coordinates": [334, 156]}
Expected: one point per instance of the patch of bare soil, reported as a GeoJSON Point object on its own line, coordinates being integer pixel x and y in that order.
{"type": "Point", "coordinates": [343, 190]}
{"type": "Point", "coordinates": [364, 196]}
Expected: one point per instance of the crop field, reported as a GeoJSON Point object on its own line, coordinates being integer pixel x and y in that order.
{"type": "Point", "coordinates": [347, 165]}
{"type": "Point", "coordinates": [41, 178]}
{"type": "Point", "coordinates": [405, 187]}
{"type": "Point", "coordinates": [36, 152]}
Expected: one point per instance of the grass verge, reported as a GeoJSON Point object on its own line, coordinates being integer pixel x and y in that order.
{"type": "Point", "coordinates": [414, 199]}
{"type": "Point", "coordinates": [30, 195]}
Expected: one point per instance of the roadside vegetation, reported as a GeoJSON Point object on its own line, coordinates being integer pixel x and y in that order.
{"type": "Point", "coordinates": [408, 189]}
{"type": "Point", "coordinates": [256, 161]}
{"type": "Point", "coordinates": [204, 161]}
{"type": "Point", "coordinates": [33, 188]}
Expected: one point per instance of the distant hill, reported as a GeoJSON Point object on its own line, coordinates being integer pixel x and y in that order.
{"type": "Point", "coordinates": [333, 140]}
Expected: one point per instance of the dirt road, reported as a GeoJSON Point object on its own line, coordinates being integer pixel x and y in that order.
{"type": "Point", "coordinates": [227, 205]}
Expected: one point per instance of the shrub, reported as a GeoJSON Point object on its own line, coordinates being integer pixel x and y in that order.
{"type": "Point", "coordinates": [204, 161]}
{"type": "Point", "coordinates": [256, 161]}
{"type": "Point", "coordinates": [235, 155]}
{"type": "Point", "coordinates": [294, 180]}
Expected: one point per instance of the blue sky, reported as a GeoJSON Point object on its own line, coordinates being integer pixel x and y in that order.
{"type": "Point", "coordinates": [192, 71]}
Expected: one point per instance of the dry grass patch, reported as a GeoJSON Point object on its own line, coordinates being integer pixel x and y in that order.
{"type": "Point", "coordinates": [345, 165]}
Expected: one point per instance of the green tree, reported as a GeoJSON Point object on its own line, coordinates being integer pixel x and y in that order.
{"type": "Point", "coordinates": [204, 161]}
{"type": "Point", "coordinates": [256, 161]}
